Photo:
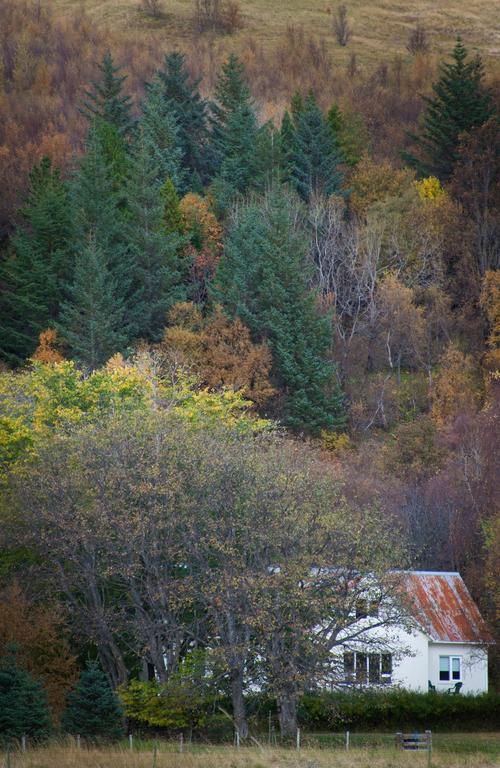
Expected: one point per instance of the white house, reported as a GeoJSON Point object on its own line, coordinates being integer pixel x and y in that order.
{"type": "Point", "coordinates": [446, 650]}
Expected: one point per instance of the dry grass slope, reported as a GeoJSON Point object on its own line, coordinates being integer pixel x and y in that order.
{"type": "Point", "coordinates": [380, 27]}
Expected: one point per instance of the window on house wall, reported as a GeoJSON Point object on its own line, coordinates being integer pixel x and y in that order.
{"type": "Point", "coordinates": [374, 668]}
{"type": "Point", "coordinates": [365, 608]}
{"type": "Point", "coordinates": [386, 667]}
{"type": "Point", "coordinates": [361, 668]}
{"type": "Point", "coordinates": [361, 609]}
{"type": "Point", "coordinates": [364, 668]}
{"type": "Point", "coordinates": [450, 668]}
{"type": "Point", "coordinates": [348, 666]}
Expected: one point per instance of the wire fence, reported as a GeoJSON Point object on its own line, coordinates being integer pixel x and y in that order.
{"type": "Point", "coordinates": [457, 743]}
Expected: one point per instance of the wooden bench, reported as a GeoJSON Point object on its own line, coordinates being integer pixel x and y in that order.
{"type": "Point", "coordinates": [414, 741]}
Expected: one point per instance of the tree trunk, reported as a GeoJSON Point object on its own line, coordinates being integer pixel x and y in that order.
{"type": "Point", "coordinates": [112, 663]}
{"type": "Point", "coordinates": [239, 709]}
{"type": "Point", "coordinates": [287, 713]}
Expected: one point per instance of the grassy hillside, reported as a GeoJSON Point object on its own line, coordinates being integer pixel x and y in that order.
{"type": "Point", "coordinates": [380, 27]}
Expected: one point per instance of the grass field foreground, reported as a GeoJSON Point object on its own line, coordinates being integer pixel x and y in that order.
{"type": "Point", "coordinates": [451, 751]}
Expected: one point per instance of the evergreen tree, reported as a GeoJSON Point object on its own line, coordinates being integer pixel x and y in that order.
{"type": "Point", "coordinates": [93, 319]}
{"type": "Point", "coordinates": [287, 146]}
{"type": "Point", "coordinates": [154, 243]}
{"type": "Point", "coordinates": [234, 133]}
{"type": "Point", "coordinates": [262, 278]}
{"type": "Point", "coordinates": [349, 134]}
{"type": "Point", "coordinates": [97, 193]}
{"type": "Point", "coordinates": [23, 703]}
{"type": "Point", "coordinates": [99, 201]}
{"type": "Point", "coordinates": [191, 114]}
{"type": "Point", "coordinates": [460, 102]}
{"type": "Point", "coordinates": [316, 157]}
{"type": "Point", "coordinates": [161, 133]}
{"type": "Point", "coordinates": [33, 275]}
{"type": "Point", "coordinates": [296, 106]}
{"type": "Point", "coordinates": [115, 153]}
{"type": "Point", "coordinates": [106, 100]}
{"type": "Point", "coordinates": [93, 709]}
{"type": "Point", "coordinates": [172, 216]}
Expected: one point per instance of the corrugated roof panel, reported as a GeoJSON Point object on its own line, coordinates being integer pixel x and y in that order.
{"type": "Point", "coordinates": [445, 609]}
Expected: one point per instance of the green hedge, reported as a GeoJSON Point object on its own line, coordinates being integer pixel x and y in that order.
{"type": "Point", "coordinates": [398, 709]}
{"type": "Point", "coordinates": [329, 713]}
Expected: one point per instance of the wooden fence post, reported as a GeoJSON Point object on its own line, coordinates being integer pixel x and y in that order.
{"type": "Point", "coordinates": [155, 752]}
{"type": "Point", "coordinates": [181, 743]}
{"type": "Point", "coordinates": [78, 741]}
{"type": "Point", "coordinates": [237, 738]}
{"type": "Point", "coordinates": [347, 739]}
{"type": "Point", "coordinates": [298, 739]}
{"type": "Point", "coordinates": [130, 742]}
{"type": "Point", "coordinates": [23, 743]}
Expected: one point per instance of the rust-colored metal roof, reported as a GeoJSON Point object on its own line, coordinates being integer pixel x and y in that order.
{"type": "Point", "coordinates": [444, 608]}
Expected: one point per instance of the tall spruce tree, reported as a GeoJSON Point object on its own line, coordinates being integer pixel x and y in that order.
{"type": "Point", "coordinates": [234, 133]}
{"type": "Point", "coordinates": [100, 243]}
{"type": "Point", "coordinates": [263, 279]}
{"type": "Point", "coordinates": [156, 252]}
{"type": "Point", "coordinates": [191, 113]}
{"type": "Point", "coordinates": [41, 261]}
{"type": "Point", "coordinates": [316, 158]}
{"type": "Point", "coordinates": [93, 318]}
{"type": "Point", "coordinates": [97, 193]}
{"type": "Point", "coordinates": [161, 132]}
{"type": "Point", "coordinates": [460, 102]}
{"type": "Point", "coordinates": [349, 133]}
{"type": "Point", "coordinates": [92, 708]}
{"type": "Point", "coordinates": [23, 703]}
{"type": "Point", "coordinates": [287, 146]}
{"type": "Point", "coordinates": [106, 100]}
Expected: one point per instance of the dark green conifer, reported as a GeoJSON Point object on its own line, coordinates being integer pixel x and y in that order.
{"type": "Point", "coordinates": [101, 308]}
{"type": "Point", "coordinates": [40, 262]}
{"type": "Point", "coordinates": [316, 158]}
{"type": "Point", "coordinates": [460, 102]}
{"type": "Point", "coordinates": [296, 106]}
{"type": "Point", "coordinates": [172, 216]}
{"type": "Point", "coordinates": [191, 114]}
{"type": "Point", "coordinates": [97, 195]}
{"type": "Point", "coordinates": [106, 100]}
{"type": "Point", "coordinates": [234, 134]}
{"type": "Point", "coordinates": [349, 134]}
{"type": "Point", "coordinates": [93, 709]}
{"type": "Point", "coordinates": [155, 245]}
{"type": "Point", "coordinates": [263, 278]}
{"type": "Point", "coordinates": [93, 319]}
{"type": "Point", "coordinates": [23, 703]}
{"type": "Point", "coordinates": [287, 146]}
{"type": "Point", "coordinates": [161, 133]}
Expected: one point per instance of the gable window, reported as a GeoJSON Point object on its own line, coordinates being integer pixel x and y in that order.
{"type": "Point", "coordinates": [450, 668]}
{"type": "Point", "coordinates": [364, 668]}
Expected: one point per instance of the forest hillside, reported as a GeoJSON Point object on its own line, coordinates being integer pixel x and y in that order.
{"type": "Point", "coordinates": [249, 332]}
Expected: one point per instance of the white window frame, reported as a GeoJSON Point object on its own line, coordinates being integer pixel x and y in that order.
{"type": "Point", "coordinates": [451, 658]}
{"type": "Point", "coordinates": [384, 678]}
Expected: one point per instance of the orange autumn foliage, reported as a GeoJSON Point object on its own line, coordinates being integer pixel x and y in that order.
{"type": "Point", "coordinates": [455, 389]}
{"type": "Point", "coordinates": [49, 348]}
{"type": "Point", "coordinates": [205, 233]}
{"type": "Point", "coordinates": [219, 351]}
{"type": "Point", "coordinates": [42, 648]}
{"type": "Point", "coordinates": [490, 303]}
